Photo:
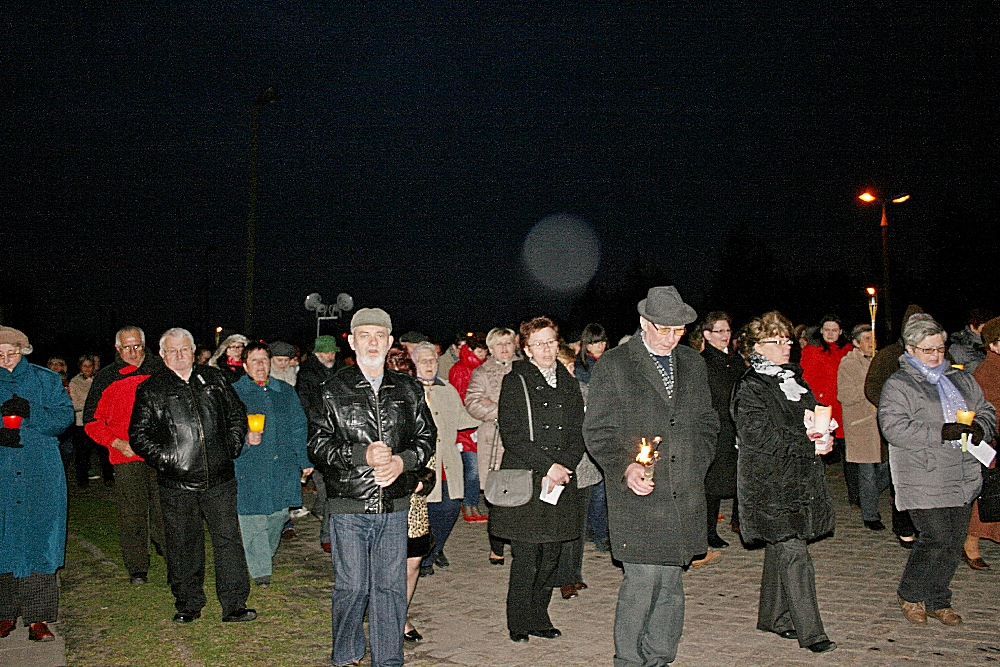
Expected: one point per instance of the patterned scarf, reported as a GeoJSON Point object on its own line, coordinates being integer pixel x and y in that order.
{"type": "Point", "coordinates": [548, 373]}
{"type": "Point", "coordinates": [951, 398]}
{"type": "Point", "coordinates": [666, 372]}
{"type": "Point", "coordinates": [793, 390]}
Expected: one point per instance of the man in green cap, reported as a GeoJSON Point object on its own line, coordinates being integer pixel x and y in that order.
{"type": "Point", "coordinates": [316, 369]}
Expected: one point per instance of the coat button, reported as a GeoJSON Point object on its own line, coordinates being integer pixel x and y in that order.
{"type": "Point", "coordinates": [546, 427]}
{"type": "Point", "coordinates": [673, 458]}
{"type": "Point", "coordinates": [674, 494]}
{"type": "Point", "coordinates": [673, 422]}
{"type": "Point", "coordinates": [558, 405]}
{"type": "Point", "coordinates": [545, 404]}
{"type": "Point", "coordinates": [559, 428]}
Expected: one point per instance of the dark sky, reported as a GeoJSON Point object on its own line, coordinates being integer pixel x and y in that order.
{"type": "Point", "coordinates": [416, 145]}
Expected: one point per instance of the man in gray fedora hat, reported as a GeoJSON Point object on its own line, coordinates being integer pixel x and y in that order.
{"type": "Point", "coordinates": [651, 387]}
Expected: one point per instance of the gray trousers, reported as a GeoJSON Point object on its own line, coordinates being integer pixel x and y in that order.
{"type": "Point", "coordinates": [650, 615]}
{"type": "Point", "coordinates": [788, 593]}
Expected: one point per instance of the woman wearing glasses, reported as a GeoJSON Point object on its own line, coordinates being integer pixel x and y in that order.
{"type": "Point", "coordinates": [540, 414]}
{"type": "Point", "coordinates": [935, 478]}
{"type": "Point", "coordinates": [781, 481]}
{"type": "Point", "coordinates": [35, 410]}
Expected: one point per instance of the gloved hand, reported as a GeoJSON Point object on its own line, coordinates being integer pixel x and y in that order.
{"type": "Point", "coordinates": [977, 433]}
{"type": "Point", "coordinates": [15, 405]}
{"type": "Point", "coordinates": [954, 431]}
{"type": "Point", "coordinates": [10, 437]}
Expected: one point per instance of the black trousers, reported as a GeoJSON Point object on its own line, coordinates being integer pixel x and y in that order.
{"type": "Point", "coordinates": [934, 556]}
{"type": "Point", "coordinates": [570, 569]}
{"type": "Point", "coordinates": [183, 512]}
{"type": "Point", "coordinates": [82, 448]}
{"type": "Point", "coordinates": [140, 520]}
{"type": "Point", "coordinates": [34, 598]}
{"type": "Point", "coordinates": [788, 592]}
{"type": "Point", "coordinates": [713, 504]}
{"type": "Point", "coordinates": [529, 590]}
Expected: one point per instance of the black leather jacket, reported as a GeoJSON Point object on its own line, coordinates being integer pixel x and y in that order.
{"type": "Point", "coordinates": [347, 421]}
{"type": "Point", "coordinates": [190, 432]}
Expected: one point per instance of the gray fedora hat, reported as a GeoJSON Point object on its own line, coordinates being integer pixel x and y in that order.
{"type": "Point", "coordinates": [663, 305]}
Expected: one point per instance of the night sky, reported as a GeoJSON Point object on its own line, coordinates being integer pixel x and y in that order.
{"type": "Point", "coordinates": [415, 146]}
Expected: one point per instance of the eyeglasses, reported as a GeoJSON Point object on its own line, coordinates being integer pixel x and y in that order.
{"type": "Point", "coordinates": [234, 345]}
{"type": "Point", "coordinates": [721, 331]}
{"type": "Point", "coordinates": [179, 352]}
{"type": "Point", "coordinates": [134, 348]}
{"type": "Point", "coordinates": [10, 355]}
{"type": "Point", "coordinates": [666, 331]}
{"type": "Point", "coordinates": [776, 341]}
{"type": "Point", "coordinates": [538, 344]}
{"type": "Point", "coordinates": [928, 350]}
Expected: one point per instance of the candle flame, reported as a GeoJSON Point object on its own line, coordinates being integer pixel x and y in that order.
{"type": "Point", "coordinates": [646, 454]}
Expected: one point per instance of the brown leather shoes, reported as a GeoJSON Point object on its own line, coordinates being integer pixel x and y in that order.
{"type": "Point", "coordinates": [975, 563]}
{"type": "Point", "coordinates": [39, 632]}
{"type": "Point", "coordinates": [6, 627]}
{"type": "Point", "coordinates": [913, 611]}
{"type": "Point", "coordinates": [326, 546]}
{"type": "Point", "coordinates": [946, 616]}
{"type": "Point", "coordinates": [568, 591]}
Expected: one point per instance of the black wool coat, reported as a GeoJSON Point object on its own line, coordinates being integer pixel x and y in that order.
{"type": "Point", "coordinates": [627, 401]}
{"type": "Point", "coordinates": [558, 422]}
{"type": "Point", "coordinates": [723, 372]}
{"type": "Point", "coordinates": [781, 482]}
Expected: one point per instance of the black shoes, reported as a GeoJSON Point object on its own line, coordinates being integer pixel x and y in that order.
{"type": "Point", "coordinates": [551, 633]}
{"type": "Point", "coordinates": [139, 578]}
{"type": "Point", "coordinates": [240, 615]}
{"type": "Point", "coordinates": [874, 525]}
{"type": "Point", "coordinates": [441, 560]}
{"type": "Point", "coordinates": [717, 542]}
{"type": "Point", "coordinates": [906, 544]}
{"type": "Point", "coordinates": [822, 646]}
{"type": "Point", "coordinates": [518, 638]}
{"type": "Point", "coordinates": [412, 636]}
{"type": "Point", "coordinates": [787, 634]}
{"type": "Point", "coordinates": [186, 616]}
{"type": "Point", "coordinates": [426, 570]}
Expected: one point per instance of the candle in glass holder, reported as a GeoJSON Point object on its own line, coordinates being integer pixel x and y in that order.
{"type": "Point", "coordinates": [12, 421]}
{"type": "Point", "coordinates": [965, 417]}
{"type": "Point", "coordinates": [256, 423]}
{"type": "Point", "coordinates": [647, 458]}
{"type": "Point", "coordinates": [821, 421]}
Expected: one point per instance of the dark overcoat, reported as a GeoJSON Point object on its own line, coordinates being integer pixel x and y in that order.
{"type": "Point", "coordinates": [723, 372]}
{"type": "Point", "coordinates": [628, 401]}
{"type": "Point", "coordinates": [558, 422]}
{"type": "Point", "coordinates": [781, 482]}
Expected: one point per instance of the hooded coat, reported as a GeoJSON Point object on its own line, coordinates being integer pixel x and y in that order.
{"type": "Point", "coordinates": [781, 482]}
{"type": "Point", "coordinates": [32, 479]}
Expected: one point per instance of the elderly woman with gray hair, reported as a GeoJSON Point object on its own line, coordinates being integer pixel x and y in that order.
{"type": "Point", "coordinates": [935, 478]}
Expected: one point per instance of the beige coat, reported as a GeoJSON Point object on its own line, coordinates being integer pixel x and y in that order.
{"type": "Point", "coordinates": [450, 417]}
{"type": "Point", "coordinates": [79, 386]}
{"type": "Point", "coordinates": [864, 445]}
{"type": "Point", "coordinates": [481, 399]}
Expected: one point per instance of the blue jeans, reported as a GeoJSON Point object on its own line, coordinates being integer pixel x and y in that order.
{"type": "Point", "coordinates": [597, 513]}
{"type": "Point", "coordinates": [470, 463]}
{"type": "Point", "coordinates": [442, 517]}
{"type": "Point", "coordinates": [369, 565]}
{"type": "Point", "coordinates": [873, 479]}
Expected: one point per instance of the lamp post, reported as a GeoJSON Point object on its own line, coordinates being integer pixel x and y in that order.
{"type": "Point", "coordinates": [867, 197]}
{"type": "Point", "coordinates": [267, 96]}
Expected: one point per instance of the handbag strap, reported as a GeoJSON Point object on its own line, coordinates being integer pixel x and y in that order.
{"type": "Point", "coordinates": [531, 421]}
{"type": "Point", "coordinates": [495, 451]}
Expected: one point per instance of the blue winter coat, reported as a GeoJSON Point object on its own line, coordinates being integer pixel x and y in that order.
{"type": "Point", "coordinates": [32, 480]}
{"type": "Point", "coordinates": [268, 474]}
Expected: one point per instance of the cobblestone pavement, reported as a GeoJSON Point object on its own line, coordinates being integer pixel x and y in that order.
{"type": "Point", "coordinates": [460, 610]}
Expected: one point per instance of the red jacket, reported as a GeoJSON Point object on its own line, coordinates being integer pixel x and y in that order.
{"type": "Point", "coordinates": [109, 404]}
{"type": "Point", "coordinates": [819, 369]}
{"type": "Point", "coordinates": [459, 377]}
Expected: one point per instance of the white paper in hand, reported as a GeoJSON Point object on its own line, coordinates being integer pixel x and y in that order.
{"type": "Point", "coordinates": [983, 452]}
{"type": "Point", "coordinates": [550, 492]}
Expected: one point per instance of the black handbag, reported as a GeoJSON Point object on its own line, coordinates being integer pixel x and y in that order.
{"type": "Point", "coordinates": [511, 487]}
{"type": "Point", "coordinates": [989, 497]}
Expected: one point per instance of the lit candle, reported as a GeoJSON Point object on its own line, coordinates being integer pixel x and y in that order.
{"type": "Point", "coordinates": [965, 417]}
{"type": "Point", "coordinates": [256, 423]}
{"type": "Point", "coordinates": [821, 421]}
{"type": "Point", "coordinates": [647, 458]}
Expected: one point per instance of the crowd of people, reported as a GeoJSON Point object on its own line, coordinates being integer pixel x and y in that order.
{"type": "Point", "coordinates": [549, 440]}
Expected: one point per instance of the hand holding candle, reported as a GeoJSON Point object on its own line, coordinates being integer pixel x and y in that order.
{"type": "Point", "coordinates": [965, 417]}
{"type": "Point", "coordinates": [256, 423]}
{"type": "Point", "coordinates": [647, 458]}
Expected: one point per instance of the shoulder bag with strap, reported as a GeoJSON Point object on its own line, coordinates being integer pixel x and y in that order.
{"type": "Point", "coordinates": [510, 488]}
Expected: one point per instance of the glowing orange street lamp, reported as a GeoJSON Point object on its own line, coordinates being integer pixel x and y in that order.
{"type": "Point", "coordinates": [868, 197]}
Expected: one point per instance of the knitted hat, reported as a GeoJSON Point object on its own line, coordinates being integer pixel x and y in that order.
{"type": "Point", "coordinates": [371, 317]}
{"type": "Point", "coordinates": [324, 344]}
{"type": "Point", "coordinates": [991, 331]}
{"type": "Point", "coordinates": [280, 348]}
{"type": "Point", "coordinates": [15, 337]}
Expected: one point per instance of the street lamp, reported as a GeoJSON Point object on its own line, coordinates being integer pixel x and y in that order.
{"type": "Point", "coordinates": [867, 197]}
{"type": "Point", "coordinates": [267, 96]}
{"type": "Point", "coordinates": [314, 302]}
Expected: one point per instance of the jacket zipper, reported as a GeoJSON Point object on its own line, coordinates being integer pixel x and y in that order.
{"type": "Point", "coordinates": [378, 421]}
{"type": "Point", "coordinates": [201, 432]}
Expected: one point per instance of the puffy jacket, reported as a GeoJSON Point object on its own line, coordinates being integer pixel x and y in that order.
{"type": "Point", "coordinates": [926, 472]}
{"type": "Point", "coordinates": [460, 374]}
{"type": "Point", "coordinates": [350, 417]}
{"type": "Point", "coordinates": [780, 482]}
{"type": "Point", "coordinates": [190, 432]}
